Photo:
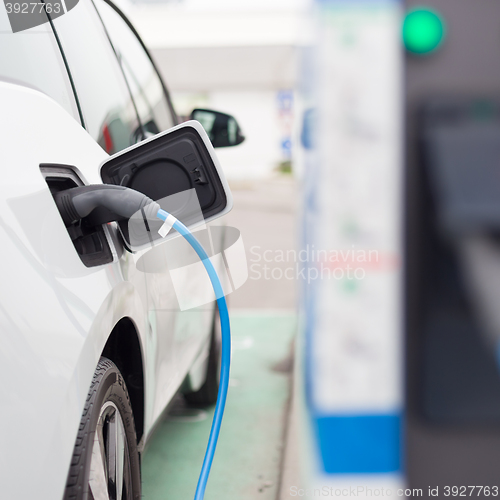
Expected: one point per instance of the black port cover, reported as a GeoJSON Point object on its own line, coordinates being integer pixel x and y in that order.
{"type": "Point", "coordinates": [169, 163]}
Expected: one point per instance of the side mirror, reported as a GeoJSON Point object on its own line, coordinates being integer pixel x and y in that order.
{"type": "Point", "coordinates": [179, 160]}
{"type": "Point", "coordinates": [222, 129]}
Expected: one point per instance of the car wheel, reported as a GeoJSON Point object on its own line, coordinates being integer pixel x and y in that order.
{"type": "Point", "coordinates": [105, 463]}
{"type": "Point", "coordinates": [207, 394]}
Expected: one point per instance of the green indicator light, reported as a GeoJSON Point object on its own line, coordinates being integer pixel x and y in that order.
{"type": "Point", "coordinates": [423, 31]}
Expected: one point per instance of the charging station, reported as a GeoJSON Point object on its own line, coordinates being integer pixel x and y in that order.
{"type": "Point", "coordinates": [352, 205]}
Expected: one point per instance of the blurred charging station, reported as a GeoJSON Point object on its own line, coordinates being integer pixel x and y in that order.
{"type": "Point", "coordinates": [400, 167]}
{"type": "Point", "coordinates": [352, 232]}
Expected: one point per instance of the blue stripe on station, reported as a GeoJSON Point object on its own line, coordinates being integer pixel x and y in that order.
{"type": "Point", "coordinates": [359, 444]}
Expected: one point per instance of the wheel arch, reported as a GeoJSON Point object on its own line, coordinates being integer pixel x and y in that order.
{"type": "Point", "coordinates": [123, 347]}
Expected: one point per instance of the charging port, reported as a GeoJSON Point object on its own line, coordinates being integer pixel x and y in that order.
{"type": "Point", "coordinates": [90, 240]}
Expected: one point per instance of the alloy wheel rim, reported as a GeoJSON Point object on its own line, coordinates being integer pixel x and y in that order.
{"type": "Point", "coordinates": [110, 477]}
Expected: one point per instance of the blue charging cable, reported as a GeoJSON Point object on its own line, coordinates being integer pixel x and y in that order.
{"type": "Point", "coordinates": [226, 349]}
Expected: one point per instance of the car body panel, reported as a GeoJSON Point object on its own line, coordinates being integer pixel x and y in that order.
{"type": "Point", "coordinates": [56, 314]}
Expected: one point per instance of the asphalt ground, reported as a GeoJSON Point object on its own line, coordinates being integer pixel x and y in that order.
{"type": "Point", "coordinates": [251, 461]}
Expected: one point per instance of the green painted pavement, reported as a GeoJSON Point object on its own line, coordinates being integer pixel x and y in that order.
{"type": "Point", "coordinates": [248, 458]}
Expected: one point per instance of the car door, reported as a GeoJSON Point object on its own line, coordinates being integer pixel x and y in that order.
{"type": "Point", "coordinates": [110, 117]}
{"type": "Point", "coordinates": [181, 333]}
{"type": "Point", "coordinates": [123, 101]}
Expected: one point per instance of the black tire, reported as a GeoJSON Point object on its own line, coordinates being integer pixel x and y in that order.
{"type": "Point", "coordinates": [206, 395]}
{"type": "Point", "coordinates": [106, 430]}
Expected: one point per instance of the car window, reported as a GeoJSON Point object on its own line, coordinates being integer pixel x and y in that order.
{"type": "Point", "coordinates": [108, 109]}
{"type": "Point", "coordinates": [32, 58]}
{"type": "Point", "coordinates": [144, 82]}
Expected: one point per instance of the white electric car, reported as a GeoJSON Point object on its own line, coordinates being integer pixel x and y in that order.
{"type": "Point", "coordinates": [92, 349]}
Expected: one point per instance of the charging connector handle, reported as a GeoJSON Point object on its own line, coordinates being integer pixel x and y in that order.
{"type": "Point", "coordinates": [120, 202]}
